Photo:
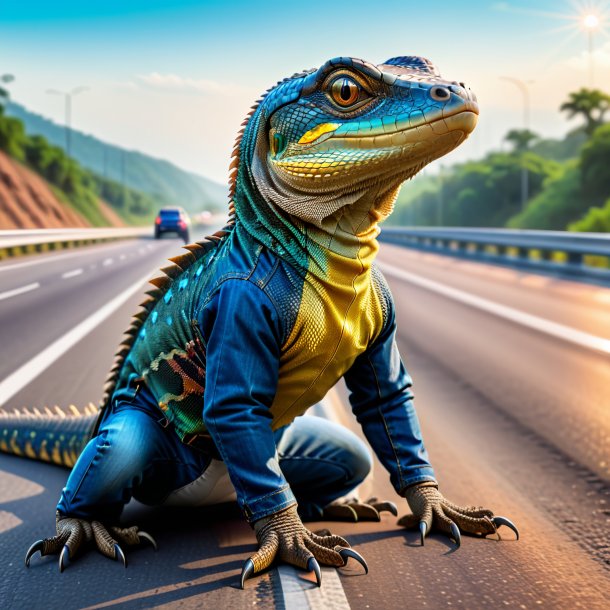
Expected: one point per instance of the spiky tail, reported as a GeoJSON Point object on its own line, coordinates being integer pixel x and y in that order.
{"type": "Point", "coordinates": [49, 436]}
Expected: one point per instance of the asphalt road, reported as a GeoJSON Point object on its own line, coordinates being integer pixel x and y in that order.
{"type": "Point", "coordinates": [514, 418]}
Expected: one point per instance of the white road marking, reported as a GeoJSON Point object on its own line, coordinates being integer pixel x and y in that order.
{"type": "Point", "coordinates": [108, 261]}
{"type": "Point", "coordinates": [302, 594]}
{"type": "Point", "coordinates": [554, 329]}
{"type": "Point", "coordinates": [39, 260]}
{"type": "Point", "coordinates": [11, 293]}
{"type": "Point", "coordinates": [73, 273]}
{"type": "Point", "coordinates": [123, 257]}
{"type": "Point", "coordinates": [30, 370]}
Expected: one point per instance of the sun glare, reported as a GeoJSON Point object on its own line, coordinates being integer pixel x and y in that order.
{"type": "Point", "coordinates": [591, 21]}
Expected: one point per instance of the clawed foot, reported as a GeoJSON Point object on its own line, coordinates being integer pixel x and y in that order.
{"type": "Point", "coordinates": [283, 536]}
{"type": "Point", "coordinates": [73, 532]}
{"type": "Point", "coordinates": [354, 510]}
{"type": "Point", "coordinates": [432, 510]}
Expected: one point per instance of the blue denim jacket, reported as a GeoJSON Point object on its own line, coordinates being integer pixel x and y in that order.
{"type": "Point", "coordinates": [237, 320]}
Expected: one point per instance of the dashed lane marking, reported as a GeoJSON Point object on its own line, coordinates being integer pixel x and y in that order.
{"type": "Point", "coordinates": [30, 370]}
{"type": "Point", "coordinates": [12, 293]}
{"type": "Point", "coordinates": [108, 261]}
{"type": "Point", "coordinates": [553, 329]}
{"type": "Point", "coordinates": [73, 273]}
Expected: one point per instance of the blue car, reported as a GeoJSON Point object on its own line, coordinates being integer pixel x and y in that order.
{"type": "Point", "coordinates": [172, 220]}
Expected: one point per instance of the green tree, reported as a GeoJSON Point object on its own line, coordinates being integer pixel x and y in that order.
{"type": "Point", "coordinates": [521, 139]}
{"type": "Point", "coordinates": [596, 220]}
{"type": "Point", "coordinates": [592, 104]}
{"type": "Point", "coordinates": [12, 136]}
{"type": "Point", "coordinates": [559, 202]}
{"type": "Point", "coordinates": [4, 95]}
{"type": "Point", "coordinates": [595, 165]}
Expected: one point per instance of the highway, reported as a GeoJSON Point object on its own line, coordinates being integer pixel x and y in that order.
{"type": "Point", "coordinates": [511, 391]}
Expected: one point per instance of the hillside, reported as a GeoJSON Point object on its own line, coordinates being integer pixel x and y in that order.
{"type": "Point", "coordinates": [27, 201]}
{"type": "Point", "coordinates": [158, 178]}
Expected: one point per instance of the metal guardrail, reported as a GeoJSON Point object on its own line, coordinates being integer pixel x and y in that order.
{"type": "Point", "coordinates": [18, 242]}
{"type": "Point", "coordinates": [555, 251]}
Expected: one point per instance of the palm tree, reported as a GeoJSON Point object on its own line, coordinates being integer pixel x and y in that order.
{"type": "Point", "coordinates": [521, 139]}
{"type": "Point", "coordinates": [592, 104]}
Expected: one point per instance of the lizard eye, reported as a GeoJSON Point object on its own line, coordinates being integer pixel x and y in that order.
{"type": "Point", "coordinates": [345, 91]}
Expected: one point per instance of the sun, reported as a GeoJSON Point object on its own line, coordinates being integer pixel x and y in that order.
{"type": "Point", "coordinates": [591, 21]}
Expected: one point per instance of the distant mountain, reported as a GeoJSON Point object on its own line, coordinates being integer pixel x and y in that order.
{"type": "Point", "coordinates": [161, 179]}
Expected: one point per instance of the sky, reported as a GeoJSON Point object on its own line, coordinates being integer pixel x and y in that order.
{"type": "Point", "coordinates": [175, 79]}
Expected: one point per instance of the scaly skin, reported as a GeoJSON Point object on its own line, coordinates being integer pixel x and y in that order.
{"type": "Point", "coordinates": [318, 164]}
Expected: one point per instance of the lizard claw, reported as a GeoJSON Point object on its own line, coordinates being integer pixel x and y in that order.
{"type": "Point", "coordinates": [148, 537]}
{"type": "Point", "coordinates": [390, 507]}
{"type": "Point", "coordinates": [346, 553]}
{"type": "Point", "coordinates": [64, 555]}
{"type": "Point", "coordinates": [118, 553]}
{"type": "Point", "coordinates": [497, 521]}
{"type": "Point", "coordinates": [37, 546]}
{"type": "Point", "coordinates": [423, 529]}
{"type": "Point", "coordinates": [455, 533]}
{"type": "Point", "coordinates": [246, 572]}
{"type": "Point", "coordinates": [314, 566]}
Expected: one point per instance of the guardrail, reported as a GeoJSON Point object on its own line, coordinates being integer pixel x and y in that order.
{"type": "Point", "coordinates": [18, 242]}
{"type": "Point", "coordinates": [579, 254]}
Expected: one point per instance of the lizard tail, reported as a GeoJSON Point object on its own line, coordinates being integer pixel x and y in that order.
{"type": "Point", "coordinates": [48, 436]}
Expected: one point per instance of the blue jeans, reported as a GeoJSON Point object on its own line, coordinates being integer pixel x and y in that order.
{"type": "Point", "coordinates": [134, 455]}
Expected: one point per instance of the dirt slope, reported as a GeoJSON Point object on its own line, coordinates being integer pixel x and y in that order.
{"type": "Point", "coordinates": [27, 202]}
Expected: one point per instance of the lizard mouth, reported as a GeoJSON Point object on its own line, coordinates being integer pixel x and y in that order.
{"type": "Point", "coordinates": [318, 157]}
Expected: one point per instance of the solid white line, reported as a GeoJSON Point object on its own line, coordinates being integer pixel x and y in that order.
{"type": "Point", "coordinates": [30, 370]}
{"type": "Point", "coordinates": [73, 273]}
{"type": "Point", "coordinates": [11, 293]}
{"type": "Point", "coordinates": [302, 594]}
{"type": "Point", "coordinates": [554, 329]}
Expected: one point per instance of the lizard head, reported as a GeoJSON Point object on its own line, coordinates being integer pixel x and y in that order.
{"type": "Point", "coordinates": [340, 140]}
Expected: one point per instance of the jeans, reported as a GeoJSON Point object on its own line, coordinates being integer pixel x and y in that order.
{"type": "Point", "coordinates": [134, 455]}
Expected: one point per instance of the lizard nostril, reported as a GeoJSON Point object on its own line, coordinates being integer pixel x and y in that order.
{"type": "Point", "coordinates": [460, 91]}
{"type": "Point", "coordinates": [440, 94]}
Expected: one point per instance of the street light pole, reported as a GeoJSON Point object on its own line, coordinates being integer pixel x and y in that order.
{"type": "Point", "coordinates": [523, 87]}
{"type": "Point", "coordinates": [591, 78]}
{"type": "Point", "coordinates": [590, 23]}
{"type": "Point", "coordinates": [68, 110]}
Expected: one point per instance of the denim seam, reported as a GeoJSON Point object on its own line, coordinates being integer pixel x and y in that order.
{"type": "Point", "coordinates": [255, 516]}
{"type": "Point", "coordinates": [82, 479]}
{"type": "Point", "coordinates": [418, 479]}
{"type": "Point", "coordinates": [385, 425]}
{"type": "Point", "coordinates": [270, 495]}
{"type": "Point", "coordinates": [243, 279]}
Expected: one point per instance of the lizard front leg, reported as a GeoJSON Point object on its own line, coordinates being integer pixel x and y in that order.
{"type": "Point", "coordinates": [431, 509]}
{"type": "Point", "coordinates": [283, 536]}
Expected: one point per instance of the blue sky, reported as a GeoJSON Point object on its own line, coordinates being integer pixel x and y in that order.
{"type": "Point", "coordinates": [174, 79]}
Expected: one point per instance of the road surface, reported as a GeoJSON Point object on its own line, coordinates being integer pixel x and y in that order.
{"type": "Point", "coordinates": [514, 416]}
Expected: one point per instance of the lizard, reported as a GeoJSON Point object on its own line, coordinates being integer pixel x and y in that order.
{"type": "Point", "coordinates": [253, 325]}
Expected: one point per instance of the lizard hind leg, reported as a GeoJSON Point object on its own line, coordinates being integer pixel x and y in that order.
{"type": "Point", "coordinates": [72, 533]}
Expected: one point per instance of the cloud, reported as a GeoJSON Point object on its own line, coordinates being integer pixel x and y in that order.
{"type": "Point", "coordinates": [173, 82]}
{"type": "Point", "coordinates": [581, 62]}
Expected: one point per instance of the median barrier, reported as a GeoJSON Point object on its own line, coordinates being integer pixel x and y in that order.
{"type": "Point", "coordinates": [560, 252]}
{"type": "Point", "coordinates": [20, 242]}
